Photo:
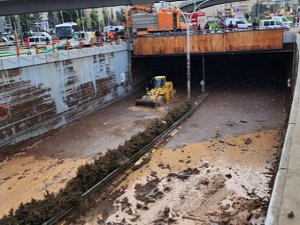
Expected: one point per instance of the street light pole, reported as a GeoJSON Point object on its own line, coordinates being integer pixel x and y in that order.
{"type": "Point", "coordinates": [69, 14]}
{"type": "Point", "coordinates": [99, 20]}
{"type": "Point", "coordinates": [188, 60]}
{"type": "Point", "coordinates": [82, 20]}
{"type": "Point", "coordinates": [188, 19]}
{"type": "Point", "coordinates": [62, 17]}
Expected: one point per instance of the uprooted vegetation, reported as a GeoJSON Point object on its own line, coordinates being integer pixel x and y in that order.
{"type": "Point", "coordinates": [39, 211]}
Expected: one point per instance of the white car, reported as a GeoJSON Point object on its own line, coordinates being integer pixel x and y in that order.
{"type": "Point", "coordinates": [270, 24]}
{"type": "Point", "coordinates": [44, 34]}
{"type": "Point", "coordinates": [243, 25]}
{"type": "Point", "coordinates": [287, 23]}
{"type": "Point", "coordinates": [237, 23]}
{"type": "Point", "coordinates": [39, 40]}
{"type": "Point", "coordinates": [112, 28]}
{"type": "Point", "coordinates": [6, 41]}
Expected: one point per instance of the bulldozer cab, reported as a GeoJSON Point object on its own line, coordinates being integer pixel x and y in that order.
{"type": "Point", "coordinates": [159, 82]}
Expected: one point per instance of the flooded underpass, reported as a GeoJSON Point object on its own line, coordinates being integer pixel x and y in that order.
{"type": "Point", "coordinates": [218, 166]}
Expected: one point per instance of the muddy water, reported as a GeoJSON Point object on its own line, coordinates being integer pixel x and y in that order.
{"type": "Point", "coordinates": [212, 182]}
{"type": "Point", "coordinates": [23, 178]}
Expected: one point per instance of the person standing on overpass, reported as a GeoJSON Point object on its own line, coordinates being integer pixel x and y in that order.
{"type": "Point", "coordinates": [254, 24]}
{"type": "Point", "coordinates": [230, 26]}
{"type": "Point", "coordinates": [206, 27]}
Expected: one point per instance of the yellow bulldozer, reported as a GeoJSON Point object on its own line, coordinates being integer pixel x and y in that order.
{"type": "Point", "coordinates": [160, 94]}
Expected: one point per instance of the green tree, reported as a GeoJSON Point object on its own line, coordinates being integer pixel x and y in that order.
{"type": "Point", "coordinates": [94, 20]}
{"type": "Point", "coordinates": [88, 22]}
{"type": "Point", "coordinates": [51, 19]}
{"type": "Point", "coordinates": [68, 16]}
{"type": "Point", "coordinates": [274, 8]}
{"type": "Point", "coordinates": [79, 21]}
{"type": "Point", "coordinates": [105, 17]}
{"type": "Point", "coordinates": [28, 21]}
{"type": "Point", "coordinates": [258, 9]}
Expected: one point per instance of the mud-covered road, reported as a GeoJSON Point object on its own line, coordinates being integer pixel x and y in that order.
{"type": "Point", "coordinates": [217, 168]}
{"type": "Point", "coordinates": [49, 161]}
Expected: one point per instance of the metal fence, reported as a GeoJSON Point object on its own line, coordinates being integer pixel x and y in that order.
{"type": "Point", "coordinates": [18, 48]}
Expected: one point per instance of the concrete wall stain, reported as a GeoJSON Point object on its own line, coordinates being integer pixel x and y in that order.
{"type": "Point", "coordinates": [38, 98]}
{"type": "Point", "coordinates": [27, 105]}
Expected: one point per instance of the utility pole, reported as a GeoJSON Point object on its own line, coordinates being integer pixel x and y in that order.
{"type": "Point", "coordinates": [62, 17]}
{"type": "Point", "coordinates": [188, 19]}
{"type": "Point", "coordinates": [82, 20]}
{"type": "Point", "coordinates": [257, 2]}
{"type": "Point", "coordinates": [188, 59]}
{"type": "Point", "coordinates": [99, 21]}
{"type": "Point", "coordinates": [203, 73]}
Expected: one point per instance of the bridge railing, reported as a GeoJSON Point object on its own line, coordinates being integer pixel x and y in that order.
{"type": "Point", "coordinates": [19, 48]}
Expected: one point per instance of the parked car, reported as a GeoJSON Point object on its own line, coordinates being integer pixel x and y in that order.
{"type": "Point", "coordinates": [227, 21]}
{"type": "Point", "coordinates": [44, 34]}
{"type": "Point", "coordinates": [6, 41]}
{"type": "Point", "coordinates": [243, 25]}
{"type": "Point", "coordinates": [237, 23]}
{"type": "Point", "coordinates": [112, 28]}
{"type": "Point", "coordinates": [271, 24]}
{"type": "Point", "coordinates": [10, 38]}
{"type": "Point", "coordinates": [287, 23]}
{"type": "Point", "coordinates": [40, 40]}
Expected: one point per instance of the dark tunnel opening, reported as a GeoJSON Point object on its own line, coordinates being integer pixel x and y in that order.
{"type": "Point", "coordinates": [246, 70]}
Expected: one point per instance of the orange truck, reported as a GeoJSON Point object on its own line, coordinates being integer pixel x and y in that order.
{"type": "Point", "coordinates": [146, 20]}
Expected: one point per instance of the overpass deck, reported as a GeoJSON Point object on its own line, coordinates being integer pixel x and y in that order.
{"type": "Point", "coordinates": [209, 43]}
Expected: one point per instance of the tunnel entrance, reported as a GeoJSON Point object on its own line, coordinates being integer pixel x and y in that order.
{"type": "Point", "coordinates": [259, 69]}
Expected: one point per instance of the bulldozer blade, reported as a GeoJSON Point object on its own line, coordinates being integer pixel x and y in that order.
{"type": "Point", "coordinates": [147, 103]}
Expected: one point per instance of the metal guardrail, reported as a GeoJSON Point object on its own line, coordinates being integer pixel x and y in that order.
{"type": "Point", "coordinates": [15, 49]}
{"type": "Point", "coordinates": [129, 163]}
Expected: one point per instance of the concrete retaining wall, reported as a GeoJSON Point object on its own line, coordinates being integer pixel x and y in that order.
{"type": "Point", "coordinates": [39, 93]}
{"type": "Point", "coordinates": [285, 195]}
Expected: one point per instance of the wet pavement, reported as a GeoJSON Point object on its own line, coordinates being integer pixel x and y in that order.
{"type": "Point", "coordinates": [232, 111]}
{"type": "Point", "coordinates": [217, 169]}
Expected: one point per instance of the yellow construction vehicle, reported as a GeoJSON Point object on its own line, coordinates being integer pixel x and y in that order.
{"type": "Point", "coordinates": [161, 93]}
